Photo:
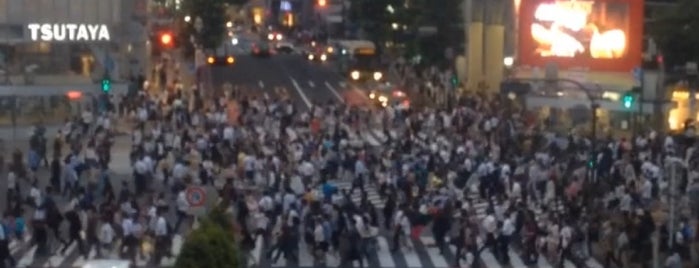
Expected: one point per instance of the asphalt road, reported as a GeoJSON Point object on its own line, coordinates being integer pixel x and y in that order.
{"type": "Point", "coordinates": [306, 82]}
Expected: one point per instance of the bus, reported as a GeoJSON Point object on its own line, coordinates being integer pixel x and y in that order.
{"type": "Point", "coordinates": [360, 61]}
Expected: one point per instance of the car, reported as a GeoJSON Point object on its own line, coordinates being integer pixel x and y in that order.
{"type": "Point", "coordinates": [221, 56]}
{"type": "Point", "coordinates": [385, 94]}
{"type": "Point", "coordinates": [316, 53]}
{"type": "Point", "coordinates": [262, 49]}
{"type": "Point", "coordinates": [285, 47]}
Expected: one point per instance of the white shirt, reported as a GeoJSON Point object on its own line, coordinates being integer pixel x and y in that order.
{"type": "Point", "coordinates": [36, 195]}
{"type": "Point", "coordinates": [508, 228]}
{"type": "Point", "coordinates": [566, 236]}
{"type": "Point", "coordinates": [11, 181]}
{"type": "Point", "coordinates": [127, 226]}
{"type": "Point", "coordinates": [318, 234]}
{"type": "Point", "coordinates": [489, 224]}
{"type": "Point", "coordinates": [182, 203]}
{"type": "Point", "coordinates": [106, 233]}
{"type": "Point", "coordinates": [161, 227]}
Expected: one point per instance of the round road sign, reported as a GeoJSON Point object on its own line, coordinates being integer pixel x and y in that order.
{"type": "Point", "coordinates": [196, 196]}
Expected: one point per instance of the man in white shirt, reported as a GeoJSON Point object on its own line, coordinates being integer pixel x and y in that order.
{"type": "Point", "coordinates": [182, 209]}
{"type": "Point", "coordinates": [566, 241]}
{"type": "Point", "coordinates": [508, 228]}
{"type": "Point", "coordinates": [490, 225]}
{"type": "Point", "coordinates": [162, 240]}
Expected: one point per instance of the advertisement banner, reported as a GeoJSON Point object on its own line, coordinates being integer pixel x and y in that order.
{"type": "Point", "coordinates": [597, 35]}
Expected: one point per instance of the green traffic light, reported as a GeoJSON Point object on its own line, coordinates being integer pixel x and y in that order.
{"type": "Point", "coordinates": [628, 101]}
{"type": "Point", "coordinates": [106, 85]}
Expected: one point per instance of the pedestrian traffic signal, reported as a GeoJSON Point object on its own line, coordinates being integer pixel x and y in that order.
{"type": "Point", "coordinates": [454, 80]}
{"type": "Point", "coordinates": [106, 84]}
{"type": "Point", "coordinates": [628, 100]}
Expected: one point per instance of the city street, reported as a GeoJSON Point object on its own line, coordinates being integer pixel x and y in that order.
{"type": "Point", "coordinates": [306, 82]}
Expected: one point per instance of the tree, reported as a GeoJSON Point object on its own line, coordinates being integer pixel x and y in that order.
{"type": "Point", "coordinates": [675, 33]}
{"type": "Point", "coordinates": [213, 17]}
{"type": "Point", "coordinates": [209, 246]}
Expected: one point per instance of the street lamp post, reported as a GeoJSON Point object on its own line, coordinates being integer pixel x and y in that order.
{"type": "Point", "coordinates": [198, 27]}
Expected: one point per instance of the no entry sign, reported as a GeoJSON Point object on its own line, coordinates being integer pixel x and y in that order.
{"type": "Point", "coordinates": [196, 196]}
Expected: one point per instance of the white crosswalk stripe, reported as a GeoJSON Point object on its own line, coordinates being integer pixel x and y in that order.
{"type": "Point", "coordinates": [371, 191]}
{"type": "Point", "coordinates": [24, 253]}
{"type": "Point", "coordinates": [418, 256]}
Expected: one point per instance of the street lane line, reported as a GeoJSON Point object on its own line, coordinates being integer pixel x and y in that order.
{"type": "Point", "coordinates": [489, 259]}
{"type": "Point", "coordinates": [310, 83]}
{"type": "Point", "coordinates": [303, 95]}
{"type": "Point", "coordinates": [57, 260]}
{"type": "Point", "coordinates": [28, 258]}
{"type": "Point", "coordinates": [262, 85]}
{"type": "Point", "coordinates": [177, 243]}
{"type": "Point", "coordinates": [81, 259]}
{"type": "Point", "coordinates": [385, 257]}
{"type": "Point", "coordinates": [343, 84]}
{"type": "Point", "coordinates": [361, 92]}
{"type": "Point", "coordinates": [433, 252]}
{"type": "Point", "coordinates": [332, 89]}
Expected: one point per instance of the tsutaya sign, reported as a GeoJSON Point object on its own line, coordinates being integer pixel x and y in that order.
{"type": "Point", "coordinates": [68, 32]}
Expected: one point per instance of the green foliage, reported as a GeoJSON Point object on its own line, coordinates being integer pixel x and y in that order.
{"type": "Point", "coordinates": [213, 15]}
{"type": "Point", "coordinates": [209, 246]}
{"type": "Point", "coordinates": [675, 33]}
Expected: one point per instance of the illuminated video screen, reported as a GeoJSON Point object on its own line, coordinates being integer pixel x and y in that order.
{"type": "Point", "coordinates": [600, 35]}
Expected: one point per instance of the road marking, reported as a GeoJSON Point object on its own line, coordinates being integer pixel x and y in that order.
{"type": "Point", "coordinates": [310, 83]}
{"type": "Point", "coordinates": [332, 89]}
{"type": "Point", "coordinates": [262, 85]}
{"type": "Point", "coordinates": [57, 260]}
{"type": "Point", "coordinates": [303, 95]}
{"type": "Point", "coordinates": [362, 93]}
{"type": "Point", "coordinates": [28, 258]}
{"type": "Point", "coordinates": [343, 84]}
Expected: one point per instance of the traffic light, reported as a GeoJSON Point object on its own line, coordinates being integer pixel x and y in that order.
{"type": "Point", "coordinates": [106, 84]}
{"type": "Point", "coordinates": [166, 39]}
{"type": "Point", "coordinates": [454, 80]}
{"type": "Point", "coordinates": [322, 3]}
{"type": "Point", "coordinates": [628, 100]}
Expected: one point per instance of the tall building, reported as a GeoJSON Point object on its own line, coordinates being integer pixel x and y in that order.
{"type": "Point", "coordinates": [72, 36]}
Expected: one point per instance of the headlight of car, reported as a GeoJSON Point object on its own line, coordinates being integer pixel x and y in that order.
{"type": "Point", "coordinates": [372, 95]}
{"type": "Point", "coordinates": [383, 99]}
{"type": "Point", "coordinates": [355, 75]}
{"type": "Point", "coordinates": [323, 57]}
{"type": "Point", "coordinates": [310, 57]}
{"type": "Point", "coordinates": [378, 76]}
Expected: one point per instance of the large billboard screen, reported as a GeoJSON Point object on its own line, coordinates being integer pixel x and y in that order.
{"type": "Point", "coordinates": [600, 35]}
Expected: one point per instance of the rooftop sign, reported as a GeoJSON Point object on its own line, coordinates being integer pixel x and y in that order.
{"type": "Point", "coordinates": [68, 32]}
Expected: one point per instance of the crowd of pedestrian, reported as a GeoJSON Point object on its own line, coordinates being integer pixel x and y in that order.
{"type": "Point", "coordinates": [476, 179]}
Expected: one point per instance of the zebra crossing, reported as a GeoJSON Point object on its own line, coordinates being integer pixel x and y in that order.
{"type": "Point", "coordinates": [371, 191]}
{"type": "Point", "coordinates": [422, 253]}
{"type": "Point", "coordinates": [24, 254]}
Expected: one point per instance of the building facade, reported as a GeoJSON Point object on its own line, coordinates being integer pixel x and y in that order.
{"type": "Point", "coordinates": [76, 37]}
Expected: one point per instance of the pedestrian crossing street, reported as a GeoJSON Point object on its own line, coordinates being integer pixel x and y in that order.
{"type": "Point", "coordinates": [24, 253]}
{"type": "Point", "coordinates": [423, 254]}
{"type": "Point", "coordinates": [479, 205]}
{"type": "Point", "coordinates": [371, 191]}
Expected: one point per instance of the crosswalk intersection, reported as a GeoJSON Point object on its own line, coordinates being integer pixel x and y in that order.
{"type": "Point", "coordinates": [24, 254]}
{"type": "Point", "coordinates": [423, 254]}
